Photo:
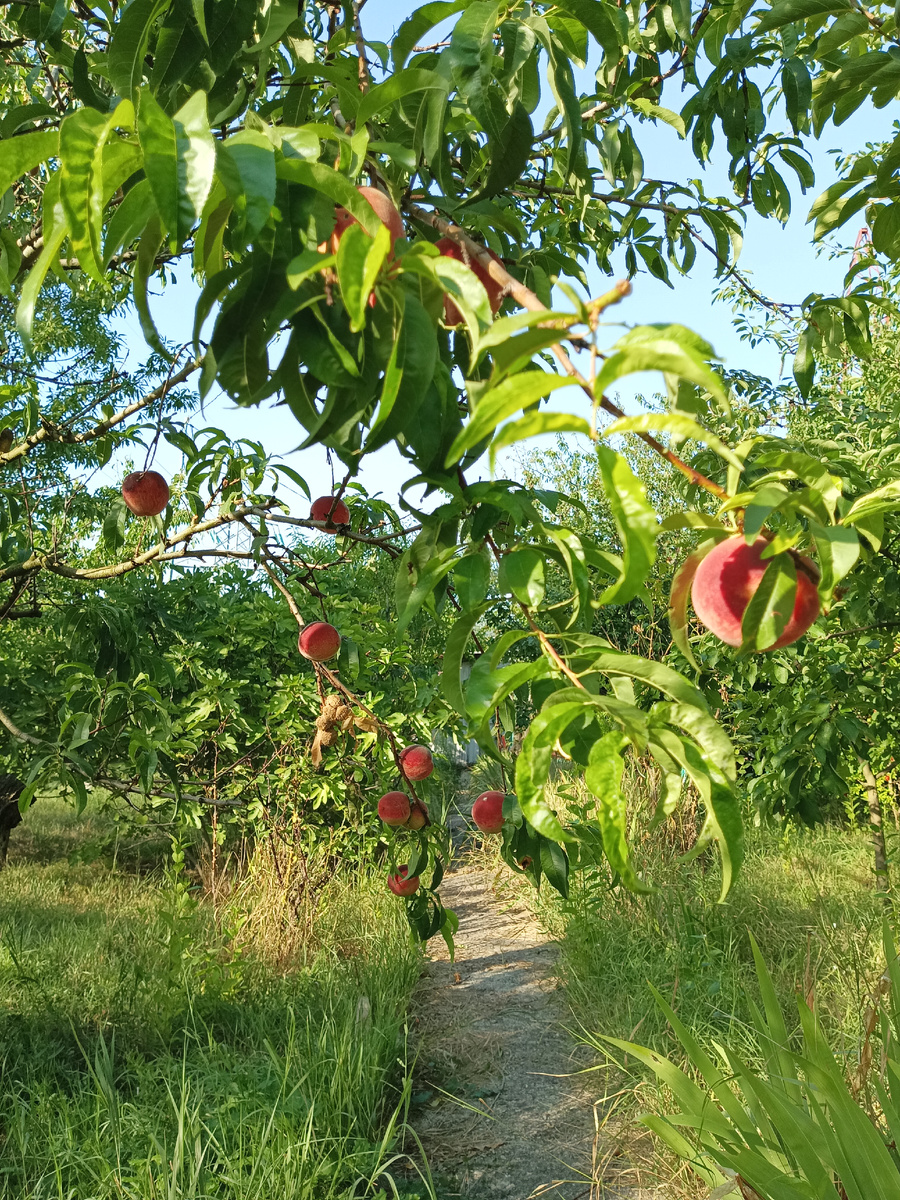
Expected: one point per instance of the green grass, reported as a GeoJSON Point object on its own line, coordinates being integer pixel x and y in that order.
{"type": "Point", "coordinates": [807, 898]}
{"type": "Point", "coordinates": [806, 895]}
{"type": "Point", "coordinates": [153, 1048]}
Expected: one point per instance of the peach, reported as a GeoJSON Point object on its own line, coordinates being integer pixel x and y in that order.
{"type": "Point", "coordinates": [487, 812]}
{"type": "Point", "coordinates": [727, 579]}
{"type": "Point", "coordinates": [384, 210]}
{"type": "Point", "coordinates": [451, 249]}
{"type": "Point", "coordinates": [330, 511]}
{"type": "Point", "coordinates": [146, 493]}
{"type": "Point", "coordinates": [400, 885]}
{"type": "Point", "coordinates": [416, 762]}
{"type": "Point", "coordinates": [319, 641]}
{"type": "Point", "coordinates": [418, 816]}
{"type": "Point", "coordinates": [393, 808]}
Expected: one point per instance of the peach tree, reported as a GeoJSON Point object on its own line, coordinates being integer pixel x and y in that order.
{"type": "Point", "coordinates": [390, 230]}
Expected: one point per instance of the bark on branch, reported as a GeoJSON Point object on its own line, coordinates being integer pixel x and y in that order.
{"type": "Point", "coordinates": [527, 299]}
{"type": "Point", "coordinates": [49, 433]}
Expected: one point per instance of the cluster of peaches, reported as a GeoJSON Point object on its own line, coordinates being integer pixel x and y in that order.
{"type": "Point", "coordinates": [724, 585]}
{"type": "Point", "coordinates": [398, 811]}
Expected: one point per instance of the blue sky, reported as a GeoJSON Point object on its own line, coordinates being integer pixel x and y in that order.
{"type": "Point", "coordinates": [780, 261]}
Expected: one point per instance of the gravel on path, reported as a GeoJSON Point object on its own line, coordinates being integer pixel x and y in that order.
{"type": "Point", "coordinates": [509, 1115]}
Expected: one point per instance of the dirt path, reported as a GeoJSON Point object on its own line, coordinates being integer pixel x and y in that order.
{"type": "Point", "coordinates": [518, 1123]}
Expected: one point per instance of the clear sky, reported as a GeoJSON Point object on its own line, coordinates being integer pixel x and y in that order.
{"type": "Point", "coordinates": [780, 260]}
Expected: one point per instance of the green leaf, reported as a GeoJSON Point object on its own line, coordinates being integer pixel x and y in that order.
{"type": "Point", "coordinates": [196, 158]}
{"type": "Point", "coordinates": [144, 267]}
{"type": "Point", "coordinates": [306, 264]}
{"type": "Point", "coordinates": [678, 599]}
{"type": "Point", "coordinates": [812, 471]}
{"type": "Point", "coordinates": [498, 337]}
{"type": "Point", "coordinates": [513, 394]}
{"type": "Point", "coordinates": [603, 778]}
{"type": "Point", "coordinates": [409, 599]}
{"type": "Point", "coordinates": [459, 282]}
{"type": "Point", "coordinates": [723, 814]}
{"type": "Point", "coordinates": [804, 361]}
{"type": "Point", "coordinates": [597, 21]}
{"type": "Point", "coordinates": [179, 159]}
{"type": "Point", "coordinates": [533, 424]}
{"type": "Point", "coordinates": [246, 167]}
{"type": "Point", "coordinates": [522, 573]}
{"type": "Point", "coordinates": [395, 88]}
{"type": "Point", "coordinates": [359, 260]}
{"type": "Point", "coordinates": [423, 19]}
{"type": "Point", "coordinates": [472, 55]}
{"type": "Point", "coordinates": [676, 423]}
{"type": "Point", "coordinates": [472, 577]}
{"type": "Point", "coordinates": [635, 521]}
{"type": "Point", "coordinates": [661, 354]}
{"type": "Point", "coordinates": [510, 153]}
{"type": "Point", "coordinates": [332, 184]}
{"type": "Point", "coordinates": [18, 155]}
{"type": "Point", "coordinates": [796, 83]}
{"type": "Point", "coordinates": [128, 220]}
{"type": "Point", "coordinates": [649, 109]}
{"type": "Point", "coordinates": [883, 499]}
{"type": "Point", "coordinates": [55, 230]}
{"type": "Point", "coordinates": [82, 138]}
{"type": "Point", "coordinates": [785, 12]}
{"type": "Point", "coordinates": [114, 525]}
{"type": "Point", "coordinates": [555, 865]}
{"type": "Point", "coordinates": [533, 766]}
{"type": "Point", "coordinates": [772, 605]}
{"type": "Point", "coordinates": [127, 50]}
{"type": "Point", "coordinates": [838, 549]}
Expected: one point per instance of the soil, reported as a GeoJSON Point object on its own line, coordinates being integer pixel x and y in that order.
{"type": "Point", "coordinates": [508, 1108]}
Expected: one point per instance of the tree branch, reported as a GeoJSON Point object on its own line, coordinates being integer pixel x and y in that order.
{"type": "Point", "coordinates": [113, 785]}
{"type": "Point", "coordinates": [527, 299]}
{"type": "Point", "coordinates": [49, 433]}
{"type": "Point", "coordinates": [46, 562]}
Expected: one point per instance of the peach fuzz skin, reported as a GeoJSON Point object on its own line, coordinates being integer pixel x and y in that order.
{"type": "Point", "coordinates": [487, 812]}
{"type": "Point", "coordinates": [727, 579]}
{"type": "Point", "coordinates": [416, 762]}
{"type": "Point", "coordinates": [319, 641]}
{"type": "Point", "coordinates": [401, 885]}
{"type": "Point", "coordinates": [145, 493]}
{"type": "Point", "coordinates": [393, 808]}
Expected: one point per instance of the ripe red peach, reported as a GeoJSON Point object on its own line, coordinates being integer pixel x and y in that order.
{"type": "Point", "coordinates": [487, 812]}
{"type": "Point", "coordinates": [418, 815]}
{"type": "Point", "coordinates": [416, 762]}
{"type": "Point", "coordinates": [330, 511]}
{"type": "Point", "coordinates": [146, 493]}
{"type": "Point", "coordinates": [319, 641]}
{"type": "Point", "coordinates": [400, 885]}
{"type": "Point", "coordinates": [393, 808]}
{"type": "Point", "coordinates": [727, 579]}
{"type": "Point", "coordinates": [451, 249]}
{"type": "Point", "coordinates": [384, 210]}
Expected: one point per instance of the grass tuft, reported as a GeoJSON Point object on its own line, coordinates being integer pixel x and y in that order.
{"type": "Point", "coordinates": [156, 1047]}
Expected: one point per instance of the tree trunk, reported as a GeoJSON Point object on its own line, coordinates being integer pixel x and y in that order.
{"type": "Point", "coordinates": [876, 827]}
{"type": "Point", "coordinates": [11, 788]}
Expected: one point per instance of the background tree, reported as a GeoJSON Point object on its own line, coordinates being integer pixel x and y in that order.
{"type": "Point", "coordinates": [234, 134]}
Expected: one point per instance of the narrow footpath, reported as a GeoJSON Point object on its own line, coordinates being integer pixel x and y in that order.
{"type": "Point", "coordinates": [506, 1113]}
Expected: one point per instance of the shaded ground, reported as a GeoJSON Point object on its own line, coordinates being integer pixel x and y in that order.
{"type": "Point", "coordinates": [504, 1113]}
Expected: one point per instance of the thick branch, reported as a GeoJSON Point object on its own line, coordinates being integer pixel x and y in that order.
{"type": "Point", "coordinates": [527, 299]}
{"type": "Point", "coordinates": [46, 562]}
{"type": "Point", "coordinates": [48, 433]}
